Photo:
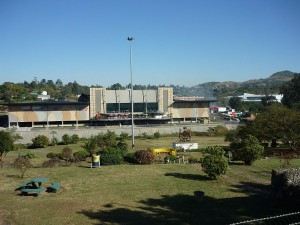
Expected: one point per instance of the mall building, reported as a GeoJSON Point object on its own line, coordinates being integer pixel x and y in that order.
{"type": "Point", "coordinates": [108, 107]}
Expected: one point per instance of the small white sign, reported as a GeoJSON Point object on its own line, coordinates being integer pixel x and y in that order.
{"type": "Point", "coordinates": [185, 146]}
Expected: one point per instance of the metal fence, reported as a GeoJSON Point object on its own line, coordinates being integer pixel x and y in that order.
{"type": "Point", "coordinates": [285, 219]}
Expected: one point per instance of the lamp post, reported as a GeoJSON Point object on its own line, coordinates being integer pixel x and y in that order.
{"type": "Point", "coordinates": [132, 120]}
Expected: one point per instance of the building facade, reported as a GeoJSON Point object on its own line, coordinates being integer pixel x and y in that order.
{"type": "Point", "coordinates": [103, 101]}
{"type": "Point", "coordinates": [113, 102]}
{"type": "Point", "coordinates": [33, 114]}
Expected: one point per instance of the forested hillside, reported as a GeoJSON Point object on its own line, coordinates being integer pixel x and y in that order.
{"type": "Point", "coordinates": [27, 91]}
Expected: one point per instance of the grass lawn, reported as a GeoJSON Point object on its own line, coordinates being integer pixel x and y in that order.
{"type": "Point", "coordinates": [138, 194]}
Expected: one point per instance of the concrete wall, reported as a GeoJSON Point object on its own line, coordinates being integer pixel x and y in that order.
{"type": "Point", "coordinates": [29, 133]}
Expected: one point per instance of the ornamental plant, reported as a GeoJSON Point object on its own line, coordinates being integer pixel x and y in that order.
{"type": "Point", "coordinates": [41, 141]}
{"type": "Point", "coordinates": [111, 156]}
{"type": "Point", "coordinates": [144, 157]}
{"type": "Point", "coordinates": [250, 150]}
{"type": "Point", "coordinates": [214, 163]}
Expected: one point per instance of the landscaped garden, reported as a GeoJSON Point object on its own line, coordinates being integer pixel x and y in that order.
{"type": "Point", "coordinates": [139, 194]}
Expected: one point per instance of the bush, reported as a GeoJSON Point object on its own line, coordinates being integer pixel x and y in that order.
{"type": "Point", "coordinates": [111, 156]}
{"type": "Point", "coordinates": [123, 147]}
{"type": "Point", "coordinates": [250, 150]}
{"type": "Point", "coordinates": [66, 139]}
{"type": "Point", "coordinates": [74, 139]}
{"type": "Point", "coordinates": [51, 155]}
{"type": "Point", "coordinates": [217, 131]}
{"type": "Point", "coordinates": [130, 158]}
{"type": "Point", "coordinates": [192, 160]}
{"type": "Point", "coordinates": [67, 154]}
{"type": "Point", "coordinates": [214, 164]}
{"type": "Point", "coordinates": [157, 135]}
{"type": "Point", "coordinates": [23, 164]}
{"type": "Point", "coordinates": [144, 157]}
{"type": "Point", "coordinates": [81, 155]}
{"type": "Point", "coordinates": [54, 162]}
{"type": "Point", "coordinates": [171, 159]}
{"type": "Point", "coordinates": [54, 141]}
{"type": "Point", "coordinates": [29, 155]}
{"type": "Point", "coordinates": [40, 141]}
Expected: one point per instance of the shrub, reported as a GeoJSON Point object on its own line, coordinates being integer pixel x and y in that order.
{"type": "Point", "coordinates": [157, 135]}
{"type": "Point", "coordinates": [123, 136]}
{"type": "Point", "coordinates": [111, 156]}
{"type": "Point", "coordinates": [130, 157]}
{"type": "Point", "coordinates": [144, 157]}
{"type": "Point", "coordinates": [192, 160]}
{"type": "Point", "coordinates": [54, 162]}
{"type": "Point", "coordinates": [54, 141]}
{"type": "Point", "coordinates": [217, 131]}
{"type": "Point", "coordinates": [214, 150]}
{"type": "Point", "coordinates": [214, 164]}
{"type": "Point", "coordinates": [29, 155]}
{"type": "Point", "coordinates": [250, 150]}
{"type": "Point", "coordinates": [123, 147]}
{"type": "Point", "coordinates": [67, 154]}
{"type": "Point", "coordinates": [74, 139]}
{"type": "Point", "coordinates": [51, 155]}
{"type": "Point", "coordinates": [81, 155]}
{"type": "Point", "coordinates": [40, 141]}
{"type": "Point", "coordinates": [145, 135]}
{"type": "Point", "coordinates": [66, 139]}
{"type": "Point", "coordinates": [171, 159]}
{"type": "Point", "coordinates": [23, 164]}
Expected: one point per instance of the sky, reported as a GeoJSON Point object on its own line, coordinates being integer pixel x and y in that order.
{"type": "Point", "coordinates": [179, 42]}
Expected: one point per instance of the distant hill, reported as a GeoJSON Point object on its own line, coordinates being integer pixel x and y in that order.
{"type": "Point", "coordinates": [213, 89]}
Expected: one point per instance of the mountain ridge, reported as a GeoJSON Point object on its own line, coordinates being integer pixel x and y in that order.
{"type": "Point", "coordinates": [212, 89]}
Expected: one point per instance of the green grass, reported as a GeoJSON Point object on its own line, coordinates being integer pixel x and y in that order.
{"type": "Point", "coordinates": [138, 194]}
{"type": "Point", "coordinates": [167, 142]}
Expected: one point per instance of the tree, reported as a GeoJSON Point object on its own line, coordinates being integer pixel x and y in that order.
{"type": "Point", "coordinates": [6, 145]}
{"type": "Point", "coordinates": [214, 163]}
{"type": "Point", "coordinates": [91, 146]}
{"type": "Point", "coordinates": [23, 164]}
{"type": "Point", "coordinates": [250, 150]}
{"type": "Point", "coordinates": [291, 92]}
{"type": "Point", "coordinates": [278, 123]}
{"type": "Point", "coordinates": [116, 86]}
{"type": "Point", "coordinates": [235, 103]}
{"type": "Point", "coordinates": [67, 154]}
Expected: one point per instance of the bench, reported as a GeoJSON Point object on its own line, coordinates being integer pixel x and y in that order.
{"type": "Point", "coordinates": [36, 191]}
{"type": "Point", "coordinates": [26, 185]}
{"type": "Point", "coordinates": [54, 187]}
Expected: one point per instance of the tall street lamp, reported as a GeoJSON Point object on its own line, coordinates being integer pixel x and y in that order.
{"type": "Point", "coordinates": [132, 121]}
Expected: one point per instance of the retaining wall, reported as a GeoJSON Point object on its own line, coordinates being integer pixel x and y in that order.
{"type": "Point", "coordinates": [29, 133]}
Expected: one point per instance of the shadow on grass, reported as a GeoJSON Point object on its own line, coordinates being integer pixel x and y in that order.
{"type": "Point", "coordinates": [252, 188]}
{"type": "Point", "coordinates": [184, 209]}
{"type": "Point", "coordinates": [188, 176]}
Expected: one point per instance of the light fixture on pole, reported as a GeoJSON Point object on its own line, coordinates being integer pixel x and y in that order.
{"type": "Point", "coordinates": [132, 111]}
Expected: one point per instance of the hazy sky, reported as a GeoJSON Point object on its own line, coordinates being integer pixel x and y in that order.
{"type": "Point", "coordinates": [180, 42]}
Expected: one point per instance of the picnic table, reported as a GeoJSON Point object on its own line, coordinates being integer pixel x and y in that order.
{"type": "Point", "coordinates": [39, 180]}
{"type": "Point", "coordinates": [33, 186]}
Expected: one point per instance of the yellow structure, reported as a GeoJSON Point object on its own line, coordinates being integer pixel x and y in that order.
{"type": "Point", "coordinates": [170, 151]}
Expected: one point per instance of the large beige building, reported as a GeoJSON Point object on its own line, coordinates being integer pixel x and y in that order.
{"type": "Point", "coordinates": [103, 101]}
{"type": "Point", "coordinates": [53, 113]}
{"type": "Point", "coordinates": [114, 104]}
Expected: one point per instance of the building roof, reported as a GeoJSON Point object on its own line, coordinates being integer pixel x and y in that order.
{"type": "Point", "coordinates": [192, 99]}
{"type": "Point", "coordinates": [46, 103]}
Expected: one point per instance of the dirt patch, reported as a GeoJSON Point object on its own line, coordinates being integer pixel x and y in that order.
{"type": "Point", "coordinates": [4, 220]}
